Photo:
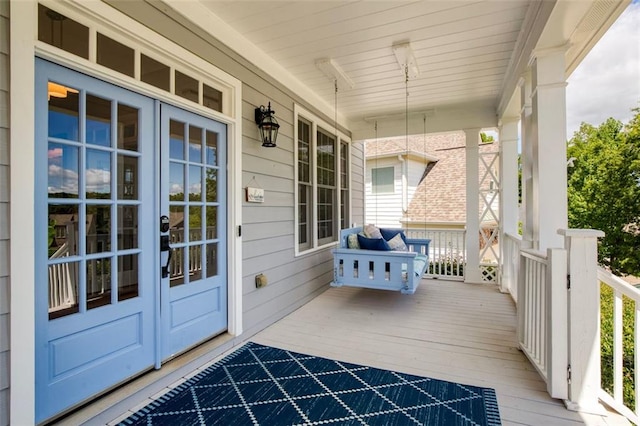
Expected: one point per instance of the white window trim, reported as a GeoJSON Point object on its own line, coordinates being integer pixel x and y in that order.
{"type": "Point", "coordinates": [24, 47]}
{"type": "Point", "coordinates": [316, 122]}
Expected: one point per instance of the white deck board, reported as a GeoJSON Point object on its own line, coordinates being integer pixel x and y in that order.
{"type": "Point", "coordinates": [448, 330]}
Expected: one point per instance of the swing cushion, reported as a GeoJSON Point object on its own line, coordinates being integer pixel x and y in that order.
{"type": "Point", "coordinates": [372, 231]}
{"type": "Point", "coordinates": [373, 243]}
{"type": "Point", "coordinates": [397, 243]}
{"type": "Point", "coordinates": [389, 233]}
{"type": "Point", "coordinates": [352, 241]}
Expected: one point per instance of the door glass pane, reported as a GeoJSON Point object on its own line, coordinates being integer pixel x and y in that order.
{"type": "Point", "coordinates": [195, 183]}
{"type": "Point", "coordinates": [64, 104]}
{"type": "Point", "coordinates": [127, 276]}
{"type": "Point", "coordinates": [98, 174]}
{"type": "Point", "coordinates": [212, 185]}
{"type": "Point", "coordinates": [212, 223]}
{"type": "Point", "coordinates": [127, 128]}
{"type": "Point", "coordinates": [176, 140]}
{"type": "Point", "coordinates": [212, 260]}
{"type": "Point", "coordinates": [155, 73]}
{"type": "Point", "coordinates": [127, 177]}
{"type": "Point", "coordinates": [98, 121]}
{"type": "Point", "coordinates": [176, 268]}
{"type": "Point", "coordinates": [176, 182]}
{"type": "Point", "coordinates": [60, 31]}
{"type": "Point", "coordinates": [114, 55]}
{"type": "Point", "coordinates": [195, 144]}
{"type": "Point", "coordinates": [195, 223]}
{"type": "Point", "coordinates": [98, 282]}
{"type": "Point", "coordinates": [127, 227]}
{"type": "Point", "coordinates": [195, 263]}
{"type": "Point", "coordinates": [63, 289]}
{"type": "Point", "coordinates": [212, 148]}
{"type": "Point", "coordinates": [186, 87]}
{"type": "Point", "coordinates": [63, 231]}
{"type": "Point", "coordinates": [98, 229]}
{"type": "Point", "coordinates": [63, 167]}
{"type": "Point", "coordinates": [176, 224]}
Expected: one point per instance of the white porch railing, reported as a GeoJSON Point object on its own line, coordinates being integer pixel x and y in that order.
{"type": "Point", "coordinates": [616, 400]}
{"type": "Point", "coordinates": [447, 252]}
{"type": "Point", "coordinates": [511, 246]}
{"type": "Point", "coordinates": [542, 315]}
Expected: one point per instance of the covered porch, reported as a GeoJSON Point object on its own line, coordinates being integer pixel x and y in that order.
{"type": "Point", "coordinates": [447, 330]}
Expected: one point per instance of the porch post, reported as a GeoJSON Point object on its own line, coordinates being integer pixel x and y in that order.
{"type": "Point", "coordinates": [549, 147]}
{"type": "Point", "coordinates": [472, 270]}
{"type": "Point", "coordinates": [508, 185]}
{"type": "Point", "coordinates": [584, 311]}
{"type": "Point", "coordinates": [526, 159]}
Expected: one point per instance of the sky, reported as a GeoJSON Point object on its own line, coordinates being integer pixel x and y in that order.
{"type": "Point", "coordinates": [607, 82]}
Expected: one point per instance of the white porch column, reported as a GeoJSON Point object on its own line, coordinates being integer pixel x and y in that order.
{"type": "Point", "coordinates": [526, 159]}
{"type": "Point", "coordinates": [472, 270]}
{"type": "Point", "coordinates": [584, 311]}
{"type": "Point", "coordinates": [508, 185]}
{"type": "Point", "coordinates": [549, 147]}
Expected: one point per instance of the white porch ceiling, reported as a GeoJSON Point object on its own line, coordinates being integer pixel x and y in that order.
{"type": "Point", "coordinates": [470, 53]}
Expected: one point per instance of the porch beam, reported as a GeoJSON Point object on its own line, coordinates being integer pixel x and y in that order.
{"type": "Point", "coordinates": [472, 270]}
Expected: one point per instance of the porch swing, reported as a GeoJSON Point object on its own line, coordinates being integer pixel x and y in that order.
{"type": "Point", "coordinates": [379, 258]}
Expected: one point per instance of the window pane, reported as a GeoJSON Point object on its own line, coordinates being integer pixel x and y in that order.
{"type": "Point", "coordinates": [98, 229]}
{"type": "Point", "coordinates": [63, 231]}
{"type": "Point", "coordinates": [98, 121]}
{"type": "Point", "coordinates": [115, 55]}
{"type": "Point", "coordinates": [212, 259]}
{"type": "Point", "coordinates": [127, 128]}
{"type": "Point", "coordinates": [127, 276]}
{"type": "Point", "coordinates": [176, 182]}
{"type": "Point", "coordinates": [176, 140]}
{"type": "Point", "coordinates": [195, 183]}
{"type": "Point", "coordinates": [195, 144]}
{"type": "Point", "coordinates": [212, 185]}
{"type": "Point", "coordinates": [98, 174]}
{"type": "Point", "coordinates": [304, 137]}
{"type": "Point", "coordinates": [59, 31]}
{"type": "Point", "coordinates": [212, 148]}
{"type": "Point", "coordinates": [212, 223]}
{"type": "Point", "coordinates": [127, 177]}
{"type": "Point", "coordinates": [63, 289]}
{"type": "Point", "coordinates": [176, 267]}
{"type": "Point", "coordinates": [98, 282]}
{"type": "Point", "coordinates": [127, 227]}
{"type": "Point", "coordinates": [155, 73]}
{"type": "Point", "coordinates": [325, 213]}
{"type": "Point", "coordinates": [63, 167]}
{"type": "Point", "coordinates": [64, 107]}
{"type": "Point", "coordinates": [186, 87]}
{"type": "Point", "coordinates": [176, 224]}
{"type": "Point", "coordinates": [382, 180]}
{"type": "Point", "coordinates": [326, 160]}
{"type": "Point", "coordinates": [195, 263]}
{"type": "Point", "coordinates": [211, 98]}
{"type": "Point", "coordinates": [195, 223]}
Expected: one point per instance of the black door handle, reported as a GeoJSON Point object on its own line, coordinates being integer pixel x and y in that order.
{"type": "Point", "coordinates": [164, 246]}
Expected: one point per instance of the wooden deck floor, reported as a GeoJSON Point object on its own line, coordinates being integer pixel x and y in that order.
{"type": "Point", "coordinates": [447, 330]}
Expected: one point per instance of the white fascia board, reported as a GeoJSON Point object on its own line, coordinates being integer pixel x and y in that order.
{"type": "Point", "coordinates": [204, 18]}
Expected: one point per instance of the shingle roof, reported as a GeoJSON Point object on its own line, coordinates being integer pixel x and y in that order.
{"type": "Point", "coordinates": [441, 196]}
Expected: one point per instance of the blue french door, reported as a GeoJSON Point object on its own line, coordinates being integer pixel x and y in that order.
{"type": "Point", "coordinates": [192, 198]}
{"type": "Point", "coordinates": [110, 303]}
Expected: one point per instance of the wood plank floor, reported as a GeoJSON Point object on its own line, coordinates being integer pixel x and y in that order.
{"type": "Point", "coordinates": [448, 330]}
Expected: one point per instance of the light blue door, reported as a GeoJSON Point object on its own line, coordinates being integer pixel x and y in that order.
{"type": "Point", "coordinates": [193, 194]}
{"type": "Point", "coordinates": [106, 162]}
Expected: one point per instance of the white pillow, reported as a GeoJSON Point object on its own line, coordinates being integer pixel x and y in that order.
{"type": "Point", "coordinates": [397, 243]}
{"type": "Point", "coordinates": [372, 231]}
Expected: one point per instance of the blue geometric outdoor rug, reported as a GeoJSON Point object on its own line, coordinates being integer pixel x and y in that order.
{"type": "Point", "coordinates": [261, 385]}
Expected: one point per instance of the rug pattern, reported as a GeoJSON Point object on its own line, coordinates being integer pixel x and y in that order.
{"type": "Point", "coordinates": [262, 385]}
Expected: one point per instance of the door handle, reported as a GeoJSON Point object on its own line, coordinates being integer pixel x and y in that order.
{"type": "Point", "coordinates": [164, 246]}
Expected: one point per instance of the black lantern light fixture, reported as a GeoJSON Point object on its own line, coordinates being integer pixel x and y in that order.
{"type": "Point", "coordinates": [267, 125]}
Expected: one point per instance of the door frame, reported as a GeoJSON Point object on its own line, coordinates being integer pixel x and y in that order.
{"type": "Point", "coordinates": [24, 47]}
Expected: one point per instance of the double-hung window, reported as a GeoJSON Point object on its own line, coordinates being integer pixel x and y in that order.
{"type": "Point", "coordinates": [322, 182]}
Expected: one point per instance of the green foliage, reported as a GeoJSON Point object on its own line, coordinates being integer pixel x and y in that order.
{"type": "Point", "coordinates": [486, 138]}
{"type": "Point", "coordinates": [606, 345]}
{"type": "Point", "coordinates": [447, 265]}
{"type": "Point", "coordinates": [604, 189]}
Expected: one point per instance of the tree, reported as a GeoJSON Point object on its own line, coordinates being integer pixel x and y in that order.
{"type": "Point", "coordinates": [604, 189]}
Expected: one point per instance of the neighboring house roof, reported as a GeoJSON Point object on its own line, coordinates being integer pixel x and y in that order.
{"type": "Point", "coordinates": [441, 195]}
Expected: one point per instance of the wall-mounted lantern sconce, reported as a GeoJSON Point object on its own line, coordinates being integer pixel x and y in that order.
{"type": "Point", "coordinates": [268, 125]}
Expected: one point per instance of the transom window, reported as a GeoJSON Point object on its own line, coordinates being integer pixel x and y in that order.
{"type": "Point", "coordinates": [322, 181]}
